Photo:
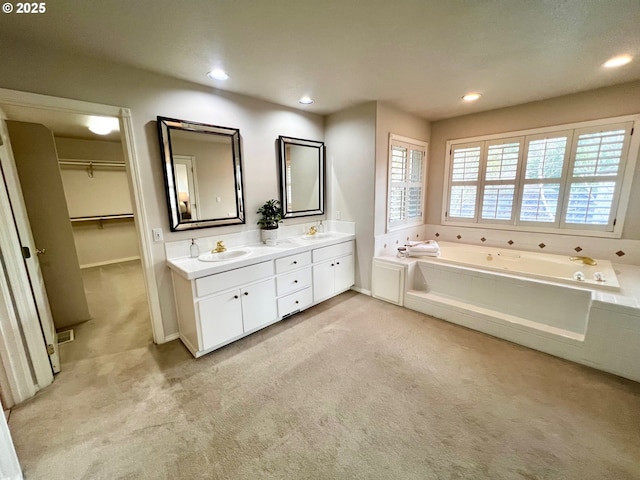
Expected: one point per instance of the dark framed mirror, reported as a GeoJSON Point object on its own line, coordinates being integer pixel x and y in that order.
{"type": "Point", "coordinates": [202, 167]}
{"type": "Point", "coordinates": [302, 176]}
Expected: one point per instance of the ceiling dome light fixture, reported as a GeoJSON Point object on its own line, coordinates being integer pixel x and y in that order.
{"type": "Point", "coordinates": [471, 97]}
{"type": "Point", "coordinates": [306, 100]}
{"type": "Point", "coordinates": [103, 125]}
{"type": "Point", "coordinates": [218, 74]}
{"type": "Point", "coordinates": [618, 61]}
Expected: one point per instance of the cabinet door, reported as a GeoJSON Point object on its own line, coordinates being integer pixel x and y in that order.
{"type": "Point", "coordinates": [220, 318]}
{"type": "Point", "coordinates": [259, 304]}
{"type": "Point", "coordinates": [344, 274]}
{"type": "Point", "coordinates": [323, 285]}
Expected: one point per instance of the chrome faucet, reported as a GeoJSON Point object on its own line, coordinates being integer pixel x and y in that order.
{"type": "Point", "coordinates": [219, 247]}
{"type": "Point", "coordinates": [584, 260]}
{"type": "Point", "coordinates": [312, 231]}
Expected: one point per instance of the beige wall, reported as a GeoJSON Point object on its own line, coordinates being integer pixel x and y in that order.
{"type": "Point", "coordinates": [106, 193]}
{"type": "Point", "coordinates": [390, 120]}
{"type": "Point", "coordinates": [149, 95]}
{"type": "Point", "coordinates": [605, 102]}
{"type": "Point", "coordinates": [84, 149]}
{"type": "Point", "coordinates": [350, 138]}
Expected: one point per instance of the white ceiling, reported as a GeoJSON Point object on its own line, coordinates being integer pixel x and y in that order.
{"type": "Point", "coordinates": [420, 56]}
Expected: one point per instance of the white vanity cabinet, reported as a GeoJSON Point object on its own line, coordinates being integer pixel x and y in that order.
{"type": "Point", "coordinates": [293, 283]}
{"type": "Point", "coordinates": [218, 309]}
{"type": "Point", "coordinates": [332, 270]}
{"type": "Point", "coordinates": [217, 304]}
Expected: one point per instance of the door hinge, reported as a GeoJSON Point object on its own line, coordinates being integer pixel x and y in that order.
{"type": "Point", "coordinates": [26, 253]}
{"type": "Point", "coordinates": [614, 221]}
{"type": "Point", "coordinates": [51, 349]}
{"type": "Point", "coordinates": [631, 132]}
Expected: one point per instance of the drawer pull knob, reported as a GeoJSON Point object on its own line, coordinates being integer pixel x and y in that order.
{"type": "Point", "coordinates": [246, 293]}
{"type": "Point", "coordinates": [332, 264]}
{"type": "Point", "coordinates": [297, 302]}
{"type": "Point", "coordinates": [295, 281]}
{"type": "Point", "coordinates": [235, 296]}
{"type": "Point", "coordinates": [295, 262]}
{"type": "Point", "coordinates": [337, 263]}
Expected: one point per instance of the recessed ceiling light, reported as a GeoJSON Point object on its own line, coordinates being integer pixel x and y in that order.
{"type": "Point", "coordinates": [306, 100]}
{"type": "Point", "coordinates": [471, 97]}
{"type": "Point", "coordinates": [103, 125]}
{"type": "Point", "coordinates": [218, 74]}
{"type": "Point", "coordinates": [618, 61]}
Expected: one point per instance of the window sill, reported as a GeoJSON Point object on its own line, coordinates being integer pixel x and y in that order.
{"type": "Point", "coordinates": [537, 229]}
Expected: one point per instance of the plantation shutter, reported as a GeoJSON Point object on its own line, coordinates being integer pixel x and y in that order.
{"type": "Point", "coordinates": [465, 170]}
{"type": "Point", "coordinates": [546, 158]}
{"type": "Point", "coordinates": [595, 175]}
{"type": "Point", "coordinates": [407, 163]}
{"type": "Point", "coordinates": [501, 171]}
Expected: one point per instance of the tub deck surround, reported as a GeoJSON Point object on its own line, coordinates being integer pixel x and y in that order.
{"type": "Point", "coordinates": [595, 327]}
{"type": "Point", "coordinates": [220, 302]}
{"type": "Point", "coordinates": [616, 250]}
{"type": "Point", "coordinates": [547, 267]}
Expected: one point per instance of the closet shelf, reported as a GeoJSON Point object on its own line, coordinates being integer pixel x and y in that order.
{"type": "Point", "coordinates": [100, 218]}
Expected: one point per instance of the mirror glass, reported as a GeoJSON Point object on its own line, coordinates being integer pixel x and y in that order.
{"type": "Point", "coordinates": [301, 176]}
{"type": "Point", "coordinates": [203, 174]}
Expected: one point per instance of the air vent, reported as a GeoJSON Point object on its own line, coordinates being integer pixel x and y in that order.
{"type": "Point", "coordinates": [65, 336]}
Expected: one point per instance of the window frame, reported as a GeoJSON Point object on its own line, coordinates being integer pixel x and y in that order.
{"type": "Point", "coordinates": [399, 140]}
{"type": "Point", "coordinates": [620, 202]}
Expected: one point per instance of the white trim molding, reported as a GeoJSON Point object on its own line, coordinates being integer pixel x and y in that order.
{"type": "Point", "coordinates": [45, 102]}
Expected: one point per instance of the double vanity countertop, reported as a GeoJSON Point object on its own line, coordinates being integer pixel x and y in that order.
{"type": "Point", "coordinates": [192, 268]}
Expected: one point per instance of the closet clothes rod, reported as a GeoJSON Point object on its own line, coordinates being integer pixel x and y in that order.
{"type": "Point", "coordinates": [90, 165]}
{"type": "Point", "coordinates": [86, 163]}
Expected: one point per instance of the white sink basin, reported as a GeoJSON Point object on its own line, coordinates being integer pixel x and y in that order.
{"type": "Point", "coordinates": [317, 236]}
{"type": "Point", "coordinates": [223, 256]}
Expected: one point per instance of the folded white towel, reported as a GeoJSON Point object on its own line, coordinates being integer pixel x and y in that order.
{"type": "Point", "coordinates": [430, 246]}
{"type": "Point", "coordinates": [413, 253]}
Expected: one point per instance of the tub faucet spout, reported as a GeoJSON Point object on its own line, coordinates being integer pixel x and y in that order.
{"type": "Point", "coordinates": [584, 260]}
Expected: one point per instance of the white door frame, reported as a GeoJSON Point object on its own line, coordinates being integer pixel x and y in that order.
{"type": "Point", "coordinates": [45, 102]}
{"type": "Point", "coordinates": [25, 359]}
{"type": "Point", "coordinates": [190, 162]}
{"type": "Point", "coordinates": [33, 281]}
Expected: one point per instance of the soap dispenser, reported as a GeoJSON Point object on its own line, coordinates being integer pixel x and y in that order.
{"type": "Point", "coordinates": [320, 227]}
{"type": "Point", "coordinates": [194, 250]}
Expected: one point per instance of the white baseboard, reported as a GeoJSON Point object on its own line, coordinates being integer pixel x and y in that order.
{"type": "Point", "coordinates": [170, 338]}
{"type": "Point", "coordinates": [109, 262]}
{"type": "Point", "coordinates": [361, 290]}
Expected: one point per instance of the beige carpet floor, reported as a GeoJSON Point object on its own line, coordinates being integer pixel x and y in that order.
{"type": "Point", "coordinates": [354, 388]}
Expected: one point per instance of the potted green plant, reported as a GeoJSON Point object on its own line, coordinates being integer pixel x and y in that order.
{"type": "Point", "coordinates": [271, 213]}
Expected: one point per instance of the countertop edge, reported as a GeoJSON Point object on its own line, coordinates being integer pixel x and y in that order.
{"type": "Point", "coordinates": [192, 268]}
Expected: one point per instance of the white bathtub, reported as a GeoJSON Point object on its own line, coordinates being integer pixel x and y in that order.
{"type": "Point", "coordinates": [554, 268]}
{"type": "Point", "coordinates": [528, 298]}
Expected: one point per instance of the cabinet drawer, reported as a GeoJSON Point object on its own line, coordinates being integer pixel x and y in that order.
{"type": "Point", "coordinates": [233, 278]}
{"type": "Point", "coordinates": [295, 301]}
{"type": "Point", "coordinates": [292, 262]}
{"type": "Point", "coordinates": [332, 251]}
{"type": "Point", "coordinates": [292, 281]}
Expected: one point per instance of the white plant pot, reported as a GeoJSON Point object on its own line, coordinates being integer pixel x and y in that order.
{"type": "Point", "coordinates": [269, 237]}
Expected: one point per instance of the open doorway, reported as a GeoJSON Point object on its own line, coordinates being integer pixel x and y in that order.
{"type": "Point", "coordinates": [119, 287]}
